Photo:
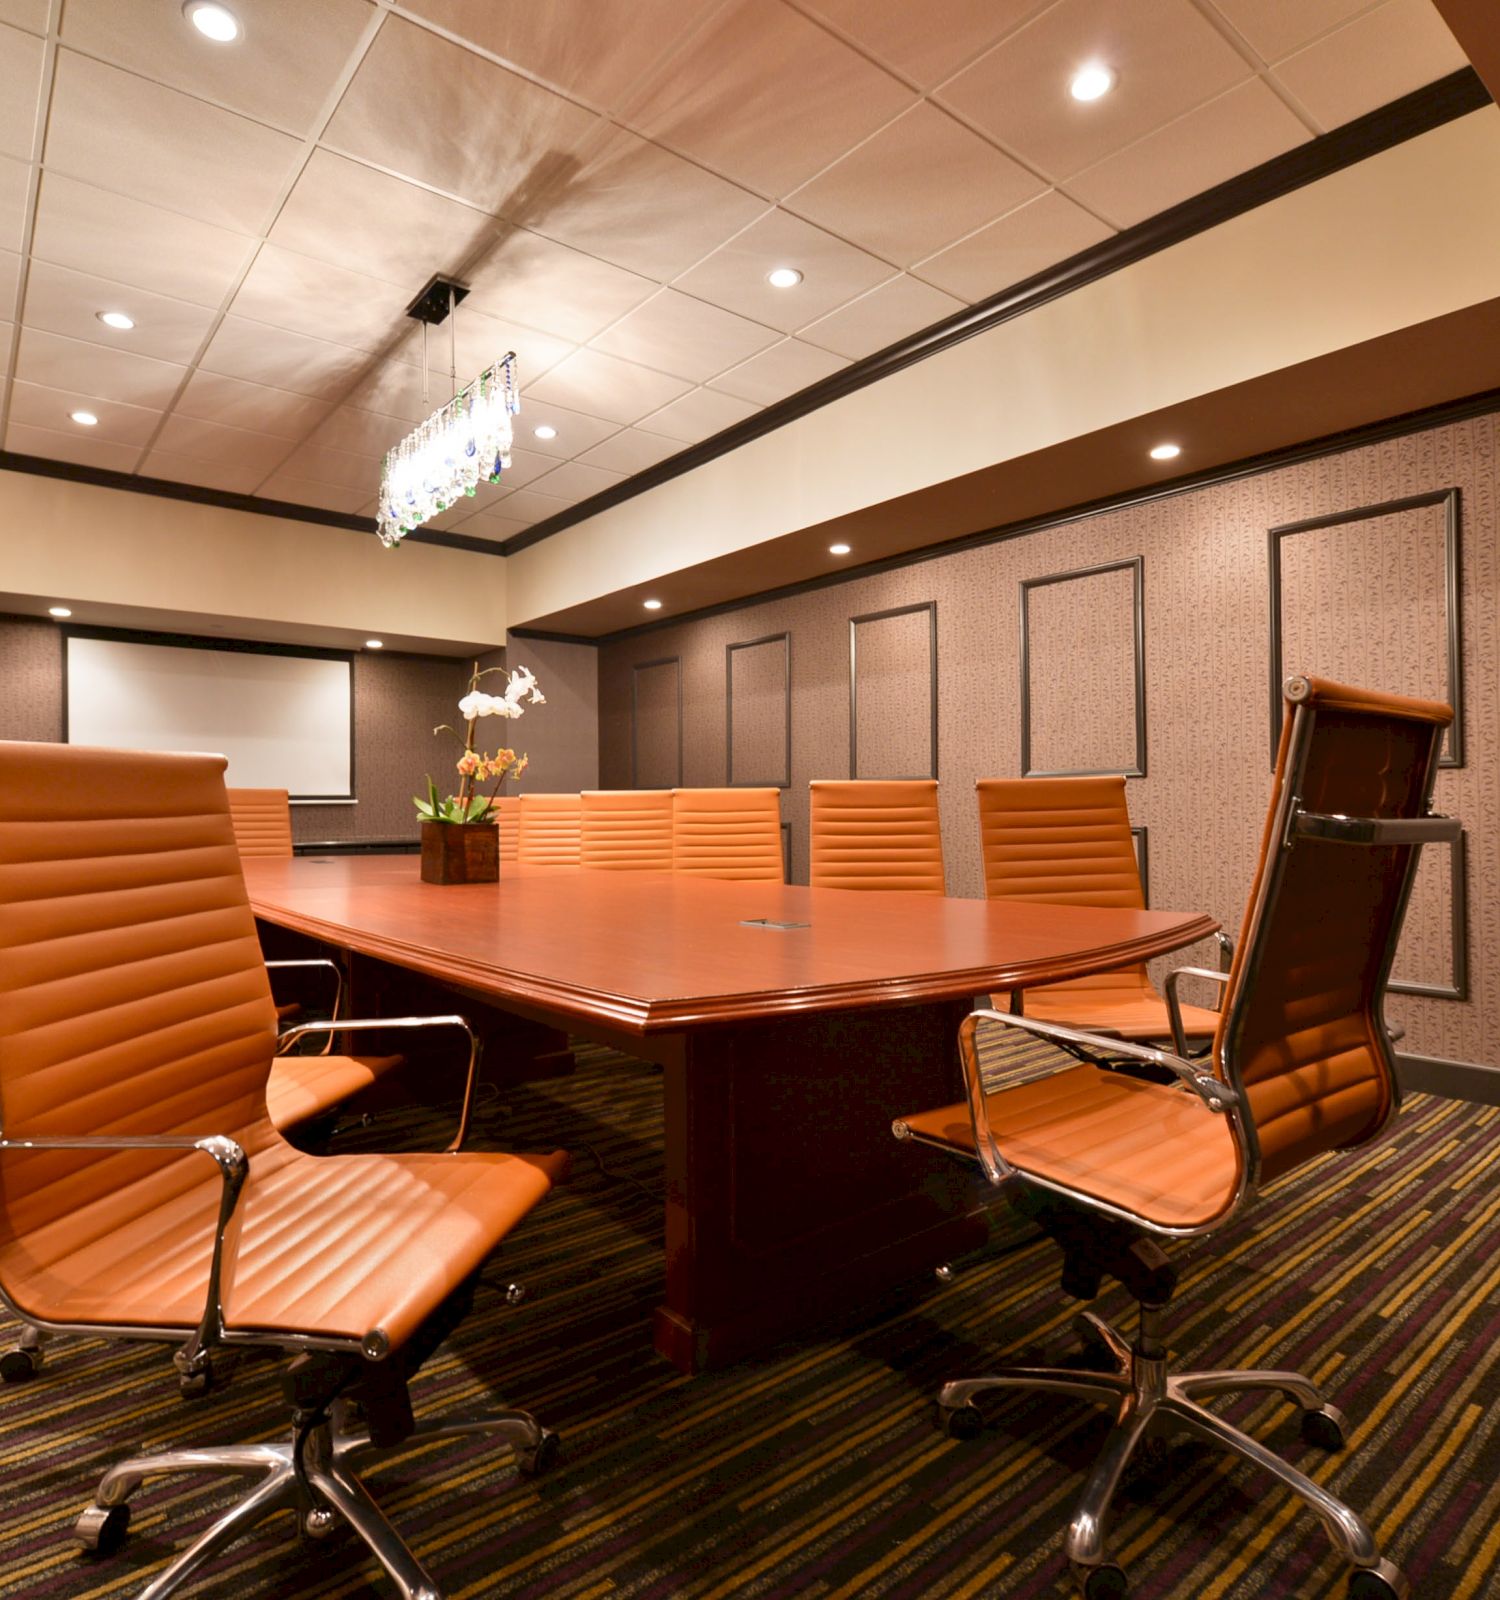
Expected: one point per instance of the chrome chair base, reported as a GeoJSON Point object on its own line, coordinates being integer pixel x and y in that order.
{"type": "Point", "coordinates": [1145, 1399]}
{"type": "Point", "coordinates": [322, 1488]}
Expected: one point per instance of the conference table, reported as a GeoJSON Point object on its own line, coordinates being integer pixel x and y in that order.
{"type": "Point", "coordinates": [791, 1025]}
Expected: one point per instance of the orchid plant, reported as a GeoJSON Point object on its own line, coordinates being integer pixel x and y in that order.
{"type": "Point", "coordinates": [474, 765]}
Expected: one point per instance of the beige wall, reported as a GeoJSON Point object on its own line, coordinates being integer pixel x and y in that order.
{"type": "Point", "coordinates": [1206, 608]}
{"type": "Point", "coordinates": [562, 736]}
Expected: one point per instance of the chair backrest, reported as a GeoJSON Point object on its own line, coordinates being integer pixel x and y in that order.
{"type": "Point", "coordinates": [262, 821]}
{"type": "Point", "coordinates": [133, 996]}
{"type": "Point", "coordinates": [1301, 1036]}
{"type": "Point", "coordinates": [727, 833]}
{"type": "Point", "coordinates": [547, 832]}
{"type": "Point", "coordinates": [876, 835]}
{"type": "Point", "coordinates": [626, 830]}
{"type": "Point", "coordinates": [505, 813]}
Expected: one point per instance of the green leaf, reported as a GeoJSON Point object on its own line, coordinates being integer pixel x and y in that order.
{"type": "Point", "coordinates": [478, 808]}
{"type": "Point", "coordinates": [424, 811]}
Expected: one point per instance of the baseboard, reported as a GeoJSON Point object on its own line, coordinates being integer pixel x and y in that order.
{"type": "Point", "coordinates": [1455, 1080]}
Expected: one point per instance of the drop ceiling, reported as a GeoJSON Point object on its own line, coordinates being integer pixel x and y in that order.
{"type": "Point", "coordinates": [613, 180]}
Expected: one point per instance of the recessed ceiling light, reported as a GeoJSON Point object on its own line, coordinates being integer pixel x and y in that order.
{"type": "Point", "coordinates": [116, 319]}
{"type": "Point", "coordinates": [1091, 82]}
{"type": "Point", "coordinates": [1165, 452]}
{"type": "Point", "coordinates": [838, 549]}
{"type": "Point", "coordinates": [58, 611]}
{"type": "Point", "coordinates": [214, 22]}
{"type": "Point", "coordinates": [652, 605]}
{"type": "Point", "coordinates": [374, 644]}
{"type": "Point", "coordinates": [84, 419]}
{"type": "Point", "coordinates": [546, 432]}
{"type": "Point", "coordinates": [784, 278]}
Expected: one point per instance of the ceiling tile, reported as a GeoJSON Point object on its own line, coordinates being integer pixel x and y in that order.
{"type": "Point", "coordinates": [574, 482]}
{"type": "Point", "coordinates": [309, 492]}
{"type": "Point", "coordinates": [366, 433]}
{"type": "Point", "coordinates": [92, 369]}
{"type": "Point", "coordinates": [893, 311]}
{"type": "Point", "coordinates": [488, 525]}
{"type": "Point", "coordinates": [138, 138]}
{"type": "Point", "coordinates": [684, 336]}
{"type": "Point", "coordinates": [630, 451]}
{"type": "Point", "coordinates": [237, 404]}
{"type": "Point", "coordinates": [603, 386]}
{"type": "Point", "coordinates": [283, 360]}
{"type": "Point", "coordinates": [318, 464]}
{"type": "Point", "coordinates": [15, 180]}
{"type": "Point", "coordinates": [281, 70]}
{"type": "Point", "coordinates": [466, 126]}
{"type": "Point", "coordinates": [1274, 28]}
{"type": "Point", "coordinates": [481, 341]}
{"type": "Point", "coordinates": [527, 506]}
{"type": "Point", "coordinates": [60, 300]}
{"type": "Point", "coordinates": [40, 407]}
{"type": "Point", "coordinates": [29, 14]}
{"type": "Point", "coordinates": [7, 343]}
{"type": "Point", "coordinates": [643, 208]}
{"type": "Point", "coordinates": [594, 50]}
{"type": "Point", "coordinates": [575, 432]}
{"type": "Point", "coordinates": [75, 447]}
{"type": "Point", "coordinates": [926, 42]}
{"type": "Point", "coordinates": [734, 276]}
{"type": "Point", "coordinates": [546, 285]}
{"type": "Point", "coordinates": [1375, 59]}
{"type": "Point", "coordinates": [394, 389]}
{"type": "Point", "coordinates": [1229, 135]}
{"type": "Point", "coordinates": [698, 416]}
{"type": "Point", "coordinates": [1039, 234]}
{"type": "Point", "coordinates": [918, 185]}
{"type": "Point", "coordinates": [779, 371]}
{"type": "Point", "coordinates": [210, 441]}
{"type": "Point", "coordinates": [1167, 55]}
{"type": "Point", "coordinates": [10, 282]}
{"type": "Point", "coordinates": [21, 57]}
{"type": "Point", "coordinates": [356, 217]}
{"type": "Point", "coordinates": [801, 98]}
{"type": "Point", "coordinates": [316, 298]}
{"type": "Point", "coordinates": [132, 242]}
{"type": "Point", "coordinates": [230, 476]}
{"type": "Point", "coordinates": [524, 466]}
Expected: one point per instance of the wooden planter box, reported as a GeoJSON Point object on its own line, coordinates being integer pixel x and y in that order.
{"type": "Point", "coordinates": [460, 852]}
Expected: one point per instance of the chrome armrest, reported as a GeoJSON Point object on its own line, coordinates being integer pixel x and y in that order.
{"type": "Point", "coordinates": [234, 1167]}
{"type": "Point", "coordinates": [371, 1024]}
{"type": "Point", "coordinates": [318, 961]}
{"type": "Point", "coordinates": [1374, 830]}
{"type": "Point", "coordinates": [1174, 1005]}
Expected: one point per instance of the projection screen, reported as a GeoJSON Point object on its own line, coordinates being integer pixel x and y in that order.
{"type": "Point", "coordinates": [284, 721]}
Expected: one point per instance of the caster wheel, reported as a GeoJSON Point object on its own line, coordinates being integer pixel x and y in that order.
{"type": "Point", "coordinates": [319, 1523]}
{"type": "Point", "coordinates": [1383, 1582]}
{"type": "Point", "coordinates": [1104, 1582]}
{"type": "Point", "coordinates": [194, 1385]}
{"type": "Point", "coordinates": [20, 1366]}
{"type": "Point", "coordinates": [101, 1530]}
{"type": "Point", "coordinates": [961, 1422]}
{"type": "Point", "coordinates": [541, 1457]}
{"type": "Point", "coordinates": [1324, 1428]}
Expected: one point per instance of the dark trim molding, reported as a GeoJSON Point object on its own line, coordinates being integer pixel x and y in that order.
{"type": "Point", "coordinates": [1142, 840]}
{"type": "Point", "coordinates": [930, 607]}
{"type": "Point", "coordinates": [1457, 988]}
{"type": "Point", "coordinates": [1450, 501]}
{"type": "Point", "coordinates": [1414, 114]}
{"type": "Point", "coordinates": [542, 636]}
{"type": "Point", "coordinates": [785, 781]}
{"type": "Point", "coordinates": [1454, 1080]}
{"type": "Point", "coordinates": [1136, 566]}
{"type": "Point", "coordinates": [635, 671]}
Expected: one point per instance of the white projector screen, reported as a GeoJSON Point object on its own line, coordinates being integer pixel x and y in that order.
{"type": "Point", "coordinates": [284, 721]}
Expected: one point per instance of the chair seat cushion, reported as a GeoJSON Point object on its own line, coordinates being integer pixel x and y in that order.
{"type": "Point", "coordinates": [1156, 1150]}
{"type": "Point", "coordinates": [303, 1087]}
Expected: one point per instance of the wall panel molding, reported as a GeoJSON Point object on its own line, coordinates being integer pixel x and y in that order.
{"type": "Point", "coordinates": [652, 767]}
{"type": "Point", "coordinates": [748, 775]}
{"type": "Point", "coordinates": [1456, 985]}
{"type": "Point", "coordinates": [872, 619]}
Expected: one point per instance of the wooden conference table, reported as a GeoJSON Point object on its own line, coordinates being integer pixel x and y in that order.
{"type": "Point", "coordinates": [792, 1025]}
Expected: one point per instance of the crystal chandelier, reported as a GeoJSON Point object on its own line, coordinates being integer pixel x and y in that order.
{"type": "Point", "coordinates": [461, 445]}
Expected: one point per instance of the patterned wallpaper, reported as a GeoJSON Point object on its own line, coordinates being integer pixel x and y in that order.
{"type": "Point", "coordinates": [757, 711]}
{"type": "Point", "coordinates": [1206, 602]}
{"type": "Point", "coordinates": [894, 683]}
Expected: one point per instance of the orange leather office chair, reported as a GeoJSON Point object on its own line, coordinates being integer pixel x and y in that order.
{"type": "Point", "coordinates": [1066, 841]}
{"type": "Point", "coordinates": [876, 835]}
{"type": "Point", "coordinates": [547, 833]}
{"type": "Point", "coordinates": [728, 833]}
{"type": "Point", "coordinates": [1301, 1065]}
{"type": "Point", "coordinates": [505, 813]}
{"type": "Point", "coordinates": [262, 821]}
{"type": "Point", "coordinates": [144, 1192]}
{"type": "Point", "coordinates": [626, 830]}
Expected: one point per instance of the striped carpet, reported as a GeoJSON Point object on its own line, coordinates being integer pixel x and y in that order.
{"type": "Point", "coordinates": [818, 1471]}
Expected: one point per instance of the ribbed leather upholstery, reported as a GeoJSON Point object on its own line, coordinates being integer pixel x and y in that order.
{"type": "Point", "coordinates": [876, 835]}
{"type": "Point", "coordinates": [505, 812]}
{"type": "Point", "coordinates": [133, 1000]}
{"type": "Point", "coordinates": [262, 821]}
{"type": "Point", "coordinates": [1066, 841]}
{"type": "Point", "coordinates": [626, 830]}
{"type": "Point", "coordinates": [303, 1087]}
{"type": "Point", "coordinates": [547, 834]}
{"type": "Point", "coordinates": [727, 833]}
